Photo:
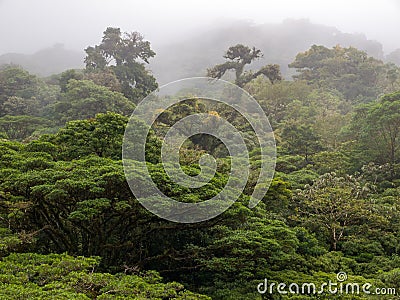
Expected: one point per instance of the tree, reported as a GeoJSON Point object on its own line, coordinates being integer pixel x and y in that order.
{"type": "Point", "coordinates": [101, 136]}
{"type": "Point", "coordinates": [105, 78]}
{"type": "Point", "coordinates": [22, 127]}
{"type": "Point", "coordinates": [334, 204]}
{"type": "Point", "coordinates": [16, 82]}
{"type": "Point", "coordinates": [276, 98]}
{"type": "Point", "coordinates": [61, 276]}
{"type": "Point", "coordinates": [300, 139]}
{"type": "Point", "coordinates": [84, 99]}
{"type": "Point", "coordinates": [66, 76]}
{"type": "Point", "coordinates": [17, 106]}
{"type": "Point", "coordinates": [348, 70]}
{"type": "Point", "coordinates": [237, 58]}
{"type": "Point", "coordinates": [393, 75]}
{"type": "Point", "coordinates": [120, 53]}
{"type": "Point", "coordinates": [376, 127]}
{"type": "Point", "coordinates": [394, 57]}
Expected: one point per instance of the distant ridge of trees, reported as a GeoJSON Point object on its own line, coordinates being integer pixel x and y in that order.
{"type": "Point", "coordinates": [47, 61]}
{"type": "Point", "coordinates": [279, 42]}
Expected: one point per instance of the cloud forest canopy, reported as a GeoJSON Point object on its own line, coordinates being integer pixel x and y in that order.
{"type": "Point", "coordinates": [70, 227]}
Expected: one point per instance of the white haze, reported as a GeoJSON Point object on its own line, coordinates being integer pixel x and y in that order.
{"type": "Point", "coordinates": [27, 26]}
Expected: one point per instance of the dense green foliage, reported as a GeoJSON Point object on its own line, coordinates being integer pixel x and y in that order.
{"type": "Point", "coordinates": [348, 70]}
{"type": "Point", "coordinates": [70, 227]}
{"type": "Point", "coordinates": [60, 276]}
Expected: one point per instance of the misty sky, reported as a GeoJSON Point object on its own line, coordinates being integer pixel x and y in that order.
{"type": "Point", "coordinates": [29, 25]}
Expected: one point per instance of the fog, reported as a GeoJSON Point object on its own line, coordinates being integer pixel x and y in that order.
{"type": "Point", "coordinates": [27, 26]}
